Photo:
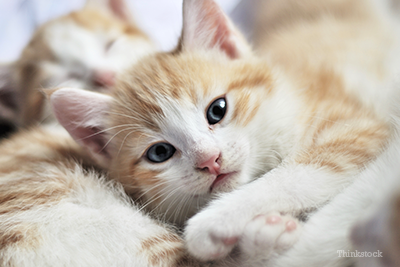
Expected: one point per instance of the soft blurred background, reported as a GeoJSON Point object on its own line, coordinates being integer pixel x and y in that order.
{"type": "Point", "coordinates": [160, 19]}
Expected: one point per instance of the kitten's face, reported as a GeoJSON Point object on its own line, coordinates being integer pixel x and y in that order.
{"type": "Point", "coordinates": [181, 127]}
{"type": "Point", "coordinates": [181, 135]}
{"type": "Point", "coordinates": [86, 49]}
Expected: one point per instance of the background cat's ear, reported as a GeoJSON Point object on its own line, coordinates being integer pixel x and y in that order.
{"type": "Point", "coordinates": [118, 8]}
{"type": "Point", "coordinates": [9, 110]}
{"type": "Point", "coordinates": [83, 114]}
{"type": "Point", "coordinates": [205, 26]}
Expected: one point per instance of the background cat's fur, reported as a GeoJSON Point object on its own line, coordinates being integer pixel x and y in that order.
{"type": "Point", "coordinates": [86, 48]}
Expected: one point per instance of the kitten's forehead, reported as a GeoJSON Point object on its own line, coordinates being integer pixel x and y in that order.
{"type": "Point", "coordinates": [164, 83]}
{"type": "Point", "coordinates": [166, 80]}
{"type": "Point", "coordinates": [166, 91]}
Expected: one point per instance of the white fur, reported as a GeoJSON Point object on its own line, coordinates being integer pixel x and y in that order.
{"type": "Point", "coordinates": [249, 151]}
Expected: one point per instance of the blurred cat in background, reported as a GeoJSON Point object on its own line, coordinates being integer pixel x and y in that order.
{"type": "Point", "coordinates": [86, 48]}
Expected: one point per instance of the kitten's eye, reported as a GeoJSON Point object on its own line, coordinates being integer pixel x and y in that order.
{"type": "Point", "coordinates": [216, 111]}
{"type": "Point", "coordinates": [160, 152]}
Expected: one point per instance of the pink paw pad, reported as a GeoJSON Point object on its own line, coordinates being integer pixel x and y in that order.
{"type": "Point", "coordinates": [268, 234]}
{"type": "Point", "coordinates": [291, 226]}
{"type": "Point", "coordinates": [274, 219]}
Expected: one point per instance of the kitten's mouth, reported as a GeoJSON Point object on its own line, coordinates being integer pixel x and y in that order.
{"type": "Point", "coordinates": [220, 179]}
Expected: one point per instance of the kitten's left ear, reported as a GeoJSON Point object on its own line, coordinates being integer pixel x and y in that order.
{"type": "Point", "coordinates": [83, 114]}
{"type": "Point", "coordinates": [118, 8]}
{"type": "Point", "coordinates": [205, 26]}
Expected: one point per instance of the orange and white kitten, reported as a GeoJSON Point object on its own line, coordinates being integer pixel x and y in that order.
{"type": "Point", "coordinates": [267, 138]}
{"type": "Point", "coordinates": [55, 210]}
{"type": "Point", "coordinates": [86, 48]}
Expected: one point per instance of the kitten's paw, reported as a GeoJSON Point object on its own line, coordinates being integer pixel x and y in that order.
{"type": "Point", "coordinates": [270, 233]}
{"type": "Point", "coordinates": [211, 237]}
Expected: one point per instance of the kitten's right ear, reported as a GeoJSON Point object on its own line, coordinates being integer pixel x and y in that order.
{"type": "Point", "coordinates": [83, 114]}
{"type": "Point", "coordinates": [118, 8]}
{"type": "Point", "coordinates": [205, 26]}
{"type": "Point", "coordinates": [9, 110]}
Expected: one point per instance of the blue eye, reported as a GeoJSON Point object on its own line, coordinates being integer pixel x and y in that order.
{"type": "Point", "coordinates": [160, 152]}
{"type": "Point", "coordinates": [216, 111]}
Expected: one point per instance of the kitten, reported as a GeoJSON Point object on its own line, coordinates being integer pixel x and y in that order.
{"type": "Point", "coordinates": [53, 212]}
{"type": "Point", "coordinates": [86, 48]}
{"type": "Point", "coordinates": [263, 136]}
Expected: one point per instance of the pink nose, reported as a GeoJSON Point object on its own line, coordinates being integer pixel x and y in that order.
{"type": "Point", "coordinates": [211, 164]}
{"type": "Point", "coordinates": [103, 78]}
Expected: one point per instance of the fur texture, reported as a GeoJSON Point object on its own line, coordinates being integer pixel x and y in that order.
{"type": "Point", "coordinates": [297, 124]}
{"type": "Point", "coordinates": [262, 140]}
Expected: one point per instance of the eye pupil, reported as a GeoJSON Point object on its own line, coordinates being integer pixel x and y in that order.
{"type": "Point", "coordinates": [160, 152]}
{"type": "Point", "coordinates": [216, 111]}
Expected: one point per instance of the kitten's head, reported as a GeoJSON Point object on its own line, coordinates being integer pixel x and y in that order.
{"type": "Point", "coordinates": [179, 127]}
{"type": "Point", "coordinates": [85, 49]}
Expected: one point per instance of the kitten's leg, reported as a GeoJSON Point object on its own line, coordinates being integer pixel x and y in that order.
{"type": "Point", "coordinates": [210, 233]}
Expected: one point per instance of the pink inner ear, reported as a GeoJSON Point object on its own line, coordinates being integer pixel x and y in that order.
{"type": "Point", "coordinates": [206, 26]}
{"type": "Point", "coordinates": [83, 115]}
{"type": "Point", "coordinates": [93, 138]}
{"type": "Point", "coordinates": [221, 38]}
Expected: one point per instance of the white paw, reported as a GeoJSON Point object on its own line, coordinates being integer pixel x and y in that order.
{"type": "Point", "coordinates": [270, 233]}
{"type": "Point", "coordinates": [211, 235]}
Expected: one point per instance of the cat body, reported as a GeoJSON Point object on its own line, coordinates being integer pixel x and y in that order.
{"type": "Point", "coordinates": [86, 48]}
